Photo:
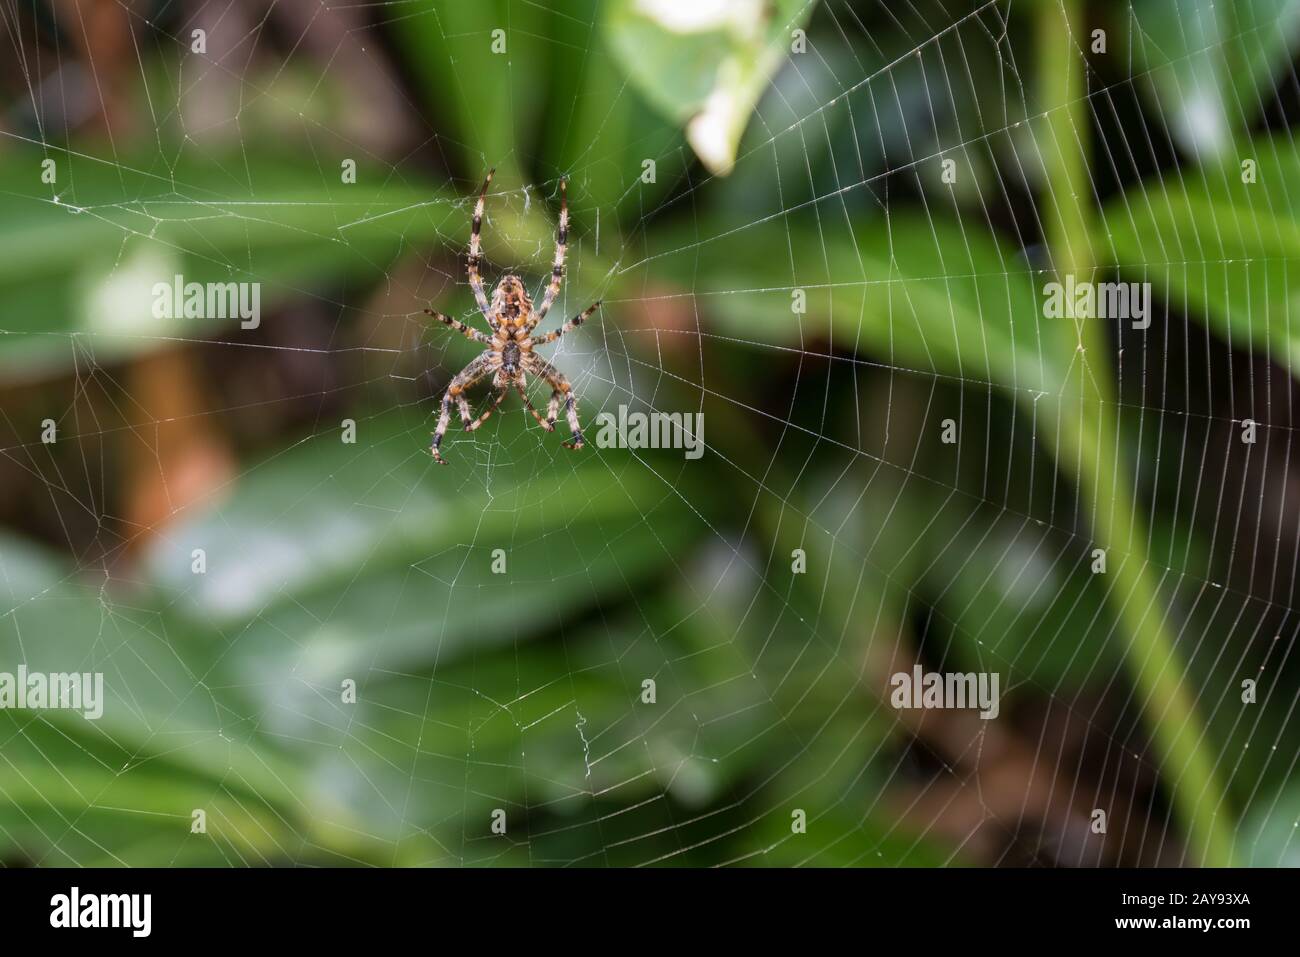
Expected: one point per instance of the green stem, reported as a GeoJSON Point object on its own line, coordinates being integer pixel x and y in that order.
{"type": "Point", "coordinates": [1088, 443]}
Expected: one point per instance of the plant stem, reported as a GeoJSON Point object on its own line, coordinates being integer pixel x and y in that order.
{"type": "Point", "coordinates": [1088, 443]}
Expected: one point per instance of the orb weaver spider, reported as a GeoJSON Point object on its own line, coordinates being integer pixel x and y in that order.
{"type": "Point", "coordinates": [509, 357]}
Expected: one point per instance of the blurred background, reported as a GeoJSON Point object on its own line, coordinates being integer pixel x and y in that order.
{"type": "Point", "coordinates": [825, 226]}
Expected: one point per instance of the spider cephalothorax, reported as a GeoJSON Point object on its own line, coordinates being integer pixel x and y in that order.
{"type": "Point", "coordinates": [509, 357]}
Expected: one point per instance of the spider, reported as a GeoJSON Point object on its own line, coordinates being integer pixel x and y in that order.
{"type": "Point", "coordinates": [509, 357]}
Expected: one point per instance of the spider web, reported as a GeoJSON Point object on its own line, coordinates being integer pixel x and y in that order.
{"type": "Point", "coordinates": [611, 651]}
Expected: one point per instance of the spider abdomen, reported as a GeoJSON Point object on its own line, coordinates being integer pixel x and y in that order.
{"type": "Point", "coordinates": [510, 301]}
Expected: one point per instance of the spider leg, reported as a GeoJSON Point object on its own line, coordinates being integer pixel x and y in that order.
{"type": "Point", "coordinates": [563, 391]}
{"type": "Point", "coordinates": [571, 324]}
{"type": "Point", "coordinates": [571, 412]}
{"type": "Point", "coordinates": [470, 427]}
{"type": "Point", "coordinates": [553, 407]}
{"type": "Point", "coordinates": [466, 414]}
{"type": "Point", "coordinates": [463, 380]}
{"type": "Point", "coordinates": [549, 426]}
{"type": "Point", "coordinates": [460, 327]}
{"type": "Point", "coordinates": [476, 254]}
{"type": "Point", "coordinates": [557, 270]}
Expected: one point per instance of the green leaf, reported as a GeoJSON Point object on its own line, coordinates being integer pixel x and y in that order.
{"type": "Point", "coordinates": [598, 130]}
{"type": "Point", "coordinates": [920, 294]}
{"type": "Point", "coordinates": [1271, 830]}
{"type": "Point", "coordinates": [705, 66]}
{"type": "Point", "coordinates": [555, 733]}
{"type": "Point", "coordinates": [489, 103]}
{"type": "Point", "coordinates": [155, 698]}
{"type": "Point", "coordinates": [172, 737]}
{"type": "Point", "coordinates": [381, 524]}
{"type": "Point", "coordinates": [1222, 249]}
{"type": "Point", "coordinates": [79, 258]}
{"type": "Point", "coordinates": [841, 834]}
{"type": "Point", "coordinates": [1211, 64]}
